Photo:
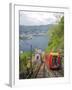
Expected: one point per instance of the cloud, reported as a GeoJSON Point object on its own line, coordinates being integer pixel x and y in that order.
{"type": "Point", "coordinates": [38, 18]}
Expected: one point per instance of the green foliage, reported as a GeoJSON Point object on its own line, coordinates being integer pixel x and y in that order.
{"type": "Point", "coordinates": [56, 36]}
{"type": "Point", "coordinates": [23, 60]}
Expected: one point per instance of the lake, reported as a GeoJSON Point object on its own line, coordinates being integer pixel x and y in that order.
{"type": "Point", "coordinates": [39, 41]}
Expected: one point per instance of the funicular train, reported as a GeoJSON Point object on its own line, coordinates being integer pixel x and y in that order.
{"type": "Point", "coordinates": [53, 60]}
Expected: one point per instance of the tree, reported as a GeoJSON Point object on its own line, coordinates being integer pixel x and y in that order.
{"type": "Point", "coordinates": [56, 36]}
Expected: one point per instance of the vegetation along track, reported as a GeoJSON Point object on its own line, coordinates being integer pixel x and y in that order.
{"type": "Point", "coordinates": [34, 72]}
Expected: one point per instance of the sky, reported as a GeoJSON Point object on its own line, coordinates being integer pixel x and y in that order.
{"type": "Point", "coordinates": [38, 18]}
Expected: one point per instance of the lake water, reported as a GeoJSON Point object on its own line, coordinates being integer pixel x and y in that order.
{"type": "Point", "coordinates": [36, 42]}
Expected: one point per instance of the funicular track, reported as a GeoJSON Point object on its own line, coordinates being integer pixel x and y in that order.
{"type": "Point", "coordinates": [34, 72]}
{"type": "Point", "coordinates": [42, 71]}
{"type": "Point", "coordinates": [55, 73]}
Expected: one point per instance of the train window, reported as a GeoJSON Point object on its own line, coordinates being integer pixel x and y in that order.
{"type": "Point", "coordinates": [54, 60]}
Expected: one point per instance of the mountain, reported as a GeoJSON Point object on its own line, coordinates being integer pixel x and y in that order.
{"type": "Point", "coordinates": [33, 29]}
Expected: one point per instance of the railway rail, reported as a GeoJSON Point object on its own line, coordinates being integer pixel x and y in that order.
{"type": "Point", "coordinates": [42, 71]}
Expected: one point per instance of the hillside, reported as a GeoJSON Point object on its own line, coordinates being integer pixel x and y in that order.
{"type": "Point", "coordinates": [56, 37]}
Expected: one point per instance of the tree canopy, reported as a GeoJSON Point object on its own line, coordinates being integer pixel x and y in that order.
{"type": "Point", "coordinates": [56, 36]}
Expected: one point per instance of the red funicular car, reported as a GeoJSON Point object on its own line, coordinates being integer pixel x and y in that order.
{"type": "Point", "coordinates": [53, 60]}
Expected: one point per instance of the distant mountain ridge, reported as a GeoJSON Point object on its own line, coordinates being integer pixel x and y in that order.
{"type": "Point", "coordinates": [33, 29]}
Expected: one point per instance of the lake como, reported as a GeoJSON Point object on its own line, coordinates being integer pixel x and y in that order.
{"type": "Point", "coordinates": [36, 42]}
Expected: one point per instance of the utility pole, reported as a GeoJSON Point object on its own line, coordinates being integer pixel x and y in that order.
{"type": "Point", "coordinates": [31, 57]}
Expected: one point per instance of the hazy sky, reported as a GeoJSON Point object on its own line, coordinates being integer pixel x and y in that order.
{"type": "Point", "coordinates": [38, 18]}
